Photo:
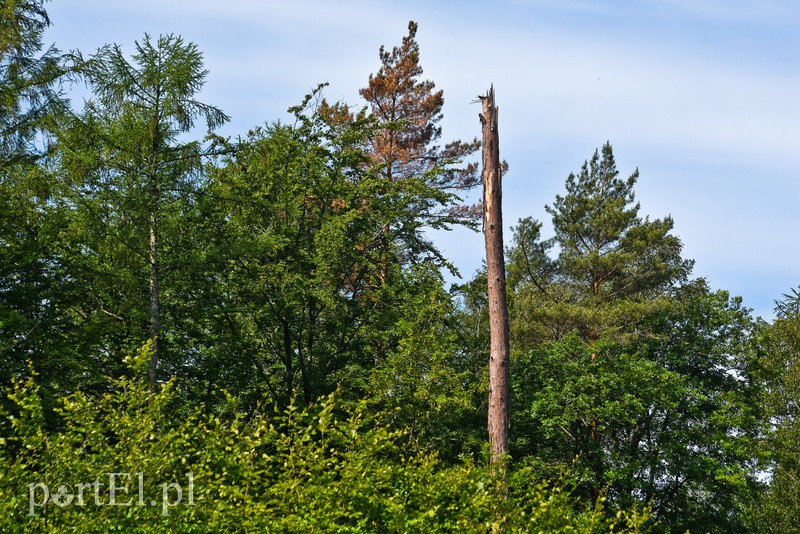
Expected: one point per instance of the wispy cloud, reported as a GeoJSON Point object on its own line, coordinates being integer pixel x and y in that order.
{"type": "Point", "coordinates": [701, 94]}
{"type": "Point", "coordinates": [773, 12]}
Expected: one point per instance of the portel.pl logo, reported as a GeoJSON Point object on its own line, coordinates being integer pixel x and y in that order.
{"type": "Point", "coordinates": [117, 492]}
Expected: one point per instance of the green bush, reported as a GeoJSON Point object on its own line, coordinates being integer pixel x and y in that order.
{"type": "Point", "coordinates": [321, 469]}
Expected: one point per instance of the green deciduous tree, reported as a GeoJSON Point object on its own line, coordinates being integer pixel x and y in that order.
{"type": "Point", "coordinates": [670, 421]}
{"type": "Point", "coordinates": [778, 508]}
{"type": "Point", "coordinates": [310, 293]}
{"type": "Point", "coordinates": [642, 381]}
{"type": "Point", "coordinates": [326, 468]}
{"type": "Point", "coordinates": [435, 384]}
{"type": "Point", "coordinates": [292, 220]}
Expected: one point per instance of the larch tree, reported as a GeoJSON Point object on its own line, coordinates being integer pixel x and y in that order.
{"type": "Point", "coordinates": [133, 172]}
{"type": "Point", "coordinates": [29, 78]}
{"type": "Point", "coordinates": [33, 323]}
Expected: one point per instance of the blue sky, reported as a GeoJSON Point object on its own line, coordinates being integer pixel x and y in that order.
{"type": "Point", "coordinates": [703, 96]}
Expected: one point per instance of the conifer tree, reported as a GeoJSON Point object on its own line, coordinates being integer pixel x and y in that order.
{"type": "Point", "coordinates": [623, 367]}
{"type": "Point", "coordinates": [133, 175]}
{"type": "Point", "coordinates": [409, 109]}
{"type": "Point", "coordinates": [29, 79]}
{"type": "Point", "coordinates": [612, 267]}
{"type": "Point", "coordinates": [34, 323]}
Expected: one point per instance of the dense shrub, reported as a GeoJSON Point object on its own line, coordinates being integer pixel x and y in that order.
{"type": "Point", "coordinates": [320, 469]}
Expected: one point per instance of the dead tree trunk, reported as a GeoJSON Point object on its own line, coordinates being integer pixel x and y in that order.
{"type": "Point", "coordinates": [496, 274]}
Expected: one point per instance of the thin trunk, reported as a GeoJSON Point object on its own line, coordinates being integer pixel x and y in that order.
{"type": "Point", "coordinates": [496, 273]}
{"type": "Point", "coordinates": [154, 300]}
{"type": "Point", "coordinates": [288, 355]}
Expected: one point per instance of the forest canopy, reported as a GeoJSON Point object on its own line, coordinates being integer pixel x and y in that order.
{"type": "Point", "coordinates": [265, 320]}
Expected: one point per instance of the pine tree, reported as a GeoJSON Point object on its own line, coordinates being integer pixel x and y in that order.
{"type": "Point", "coordinates": [612, 268]}
{"type": "Point", "coordinates": [623, 367]}
{"type": "Point", "coordinates": [409, 109]}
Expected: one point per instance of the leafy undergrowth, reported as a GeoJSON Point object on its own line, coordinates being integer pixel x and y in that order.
{"type": "Point", "coordinates": [321, 469]}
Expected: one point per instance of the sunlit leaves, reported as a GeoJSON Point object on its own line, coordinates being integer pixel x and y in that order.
{"type": "Point", "coordinates": [323, 468]}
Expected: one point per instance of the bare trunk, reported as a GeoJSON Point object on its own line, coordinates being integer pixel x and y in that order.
{"type": "Point", "coordinates": [496, 274]}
